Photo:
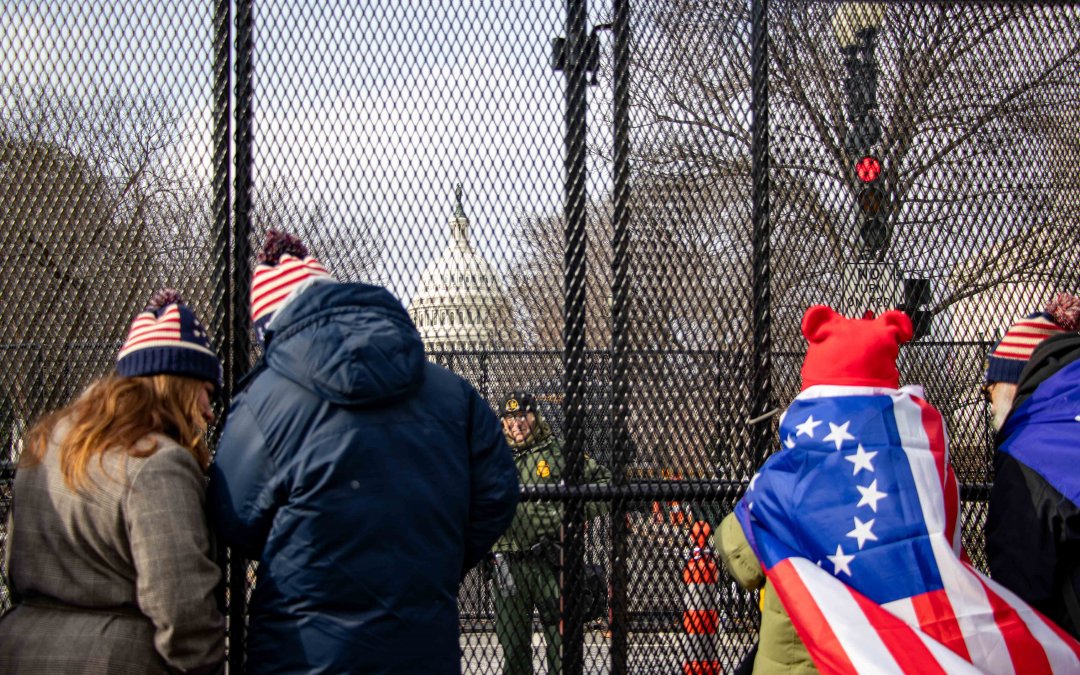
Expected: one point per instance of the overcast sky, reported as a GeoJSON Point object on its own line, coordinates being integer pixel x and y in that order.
{"type": "Point", "coordinates": [372, 109]}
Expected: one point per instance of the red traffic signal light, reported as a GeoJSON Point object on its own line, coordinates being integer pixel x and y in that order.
{"type": "Point", "coordinates": [868, 169]}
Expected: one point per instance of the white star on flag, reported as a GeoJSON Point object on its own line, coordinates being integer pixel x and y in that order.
{"type": "Point", "coordinates": [840, 561]}
{"type": "Point", "coordinates": [789, 442]}
{"type": "Point", "coordinates": [807, 427]}
{"type": "Point", "coordinates": [839, 433]}
{"type": "Point", "coordinates": [870, 495]}
{"type": "Point", "coordinates": [862, 532]}
{"type": "Point", "coordinates": [861, 460]}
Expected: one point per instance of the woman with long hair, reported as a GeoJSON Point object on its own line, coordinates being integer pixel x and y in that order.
{"type": "Point", "coordinates": [109, 555]}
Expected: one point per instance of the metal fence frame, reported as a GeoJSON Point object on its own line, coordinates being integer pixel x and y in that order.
{"type": "Point", "coordinates": [233, 160]}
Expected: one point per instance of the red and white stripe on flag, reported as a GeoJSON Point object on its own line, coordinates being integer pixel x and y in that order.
{"type": "Point", "coordinates": [847, 633]}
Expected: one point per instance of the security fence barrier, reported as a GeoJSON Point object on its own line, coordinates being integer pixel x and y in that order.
{"type": "Point", "coordinates": [624, 206]}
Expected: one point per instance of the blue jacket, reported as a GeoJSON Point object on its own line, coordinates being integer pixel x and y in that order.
{"type": "Point", "coordinates": [366, 482]}
{"type": "Point", "coordinates": [1033, 519]}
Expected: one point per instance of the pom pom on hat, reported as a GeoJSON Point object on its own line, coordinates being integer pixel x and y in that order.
{"type": "Point", "coordinates": [1065, 311]}
{"type": "Point", "coordinates": [1009, 356]}
{"type": "Point", "coordinates": [278, 243]}
{"type": "Point", "coordinates": [163, 298]}
{"type": "Point", "coordinates": [166, 338]}
{"type": "Point", "coordinates": [284, 264]}
{"type": "Point", "coordinates": [853, 352]}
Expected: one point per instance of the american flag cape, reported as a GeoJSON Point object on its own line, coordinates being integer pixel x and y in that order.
{"type": "Point", "coordinates": [855, 524]}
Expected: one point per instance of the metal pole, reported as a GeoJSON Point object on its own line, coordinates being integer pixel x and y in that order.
{"type": "Point", "coordinates": [241, 282]}
{"type": "Point", "coordinates": [222, 205]}
{"type": "Point", "coordinates": [221, 329]}
{"type": "Point", "coordinates": [760, 357]}
{"type": "Point", "coordinates": [241, 239]}
{"type": "Point", "coordinates": [620, 287]}
{"type": "Point", "coordinates": [573, 570]}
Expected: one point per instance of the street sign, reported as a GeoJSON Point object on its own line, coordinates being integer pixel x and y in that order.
{"type": "Point", "coordinates": [874, 286]}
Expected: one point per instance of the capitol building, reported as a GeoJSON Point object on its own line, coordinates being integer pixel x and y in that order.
{"type": "Point", "coordinates": [460, 303]}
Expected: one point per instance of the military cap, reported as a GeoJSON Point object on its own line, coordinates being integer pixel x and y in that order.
{"type": "Point", "coordinates": [517, 402]}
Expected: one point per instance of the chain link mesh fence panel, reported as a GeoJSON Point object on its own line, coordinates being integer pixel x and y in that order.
{"type": "Point", "coordinates": [104, 190]}
{"type": "Point", "coordinates": [623, 207]}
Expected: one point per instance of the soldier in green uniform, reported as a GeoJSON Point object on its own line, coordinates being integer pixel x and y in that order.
{"type": "Point", "coordinates": [526, 573]}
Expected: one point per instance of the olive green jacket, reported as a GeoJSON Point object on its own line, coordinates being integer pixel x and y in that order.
{"type": "Point", "coordinates": [780, 650]}
{"type": "Point", "coordinates": [538, 521]}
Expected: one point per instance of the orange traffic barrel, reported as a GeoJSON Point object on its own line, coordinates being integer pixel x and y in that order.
{"type": "Point", "coordinates": [701, 607]}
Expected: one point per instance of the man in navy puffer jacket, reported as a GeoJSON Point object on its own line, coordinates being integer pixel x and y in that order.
{"type": "Point", "coordinates": [365, 480]}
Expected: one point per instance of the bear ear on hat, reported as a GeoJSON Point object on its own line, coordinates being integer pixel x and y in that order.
{"type": "Point", "coordinates": [899, 324]}
{"type": "Point", "coordinates": [816, 323]}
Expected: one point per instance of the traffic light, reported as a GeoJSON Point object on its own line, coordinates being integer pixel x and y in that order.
{"type": "Point", "coordinates": [916, 296]}
{"type": "Point", "coordinates": [873, 202]}
{"type": "Point", "coordinates": [857, 30]}
{"type": "Point", "coordinates": [860, 89]}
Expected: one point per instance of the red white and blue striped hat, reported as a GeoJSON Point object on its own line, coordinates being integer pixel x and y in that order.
{"type": "Point", "coordinates": [1009, 356]}
{"type": "Point", "coordinates": [284, 264]}
{"type": "Point", "coordinates": [166, 338]}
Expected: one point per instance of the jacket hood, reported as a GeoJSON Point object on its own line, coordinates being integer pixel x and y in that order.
{"type": "Point", "coordinates": [350, 344]}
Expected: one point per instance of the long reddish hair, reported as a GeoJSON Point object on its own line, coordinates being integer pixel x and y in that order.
{"type": "Point", "coordinates": [118, 414]}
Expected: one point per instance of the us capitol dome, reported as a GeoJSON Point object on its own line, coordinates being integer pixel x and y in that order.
{"type": "Point", "coordinates": [460, 303]}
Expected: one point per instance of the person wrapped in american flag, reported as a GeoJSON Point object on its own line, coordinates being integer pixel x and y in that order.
{"type": "Point", "coordinates": [852, 529]}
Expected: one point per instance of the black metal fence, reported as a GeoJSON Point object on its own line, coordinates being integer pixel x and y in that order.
{"type": "Point", "coordinates": [651, 194]}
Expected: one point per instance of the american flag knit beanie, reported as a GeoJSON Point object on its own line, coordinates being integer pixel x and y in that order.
{"type": "Point", "coordinates": [1009, 356]}
{"type": "Point", "coordinates": [283, 264]}
{"type": "Point", "coordinates": [166, 338]}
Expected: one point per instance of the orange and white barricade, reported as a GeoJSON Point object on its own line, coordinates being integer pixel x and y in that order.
{"type": "Point", "coordinates": [701, 606]}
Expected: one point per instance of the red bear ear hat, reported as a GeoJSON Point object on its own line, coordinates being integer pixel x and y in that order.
{"type": "Point", "coordinates": [853, 352]}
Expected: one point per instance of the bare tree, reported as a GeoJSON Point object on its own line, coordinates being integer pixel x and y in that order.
{"type": "Point", "coordinates": [96, 213]}
{"type": "Point", "coordinates": [78, 186]}
{"type": "Point", "coordinates": [972, 102]}
{"type": "Point", "coordinates": [536, 283]}
{"type": "Point", "coordinates": [349, 248]}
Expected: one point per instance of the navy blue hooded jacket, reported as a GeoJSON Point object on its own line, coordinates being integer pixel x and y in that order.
{"type": "Point", "coordinates": [366, 481]}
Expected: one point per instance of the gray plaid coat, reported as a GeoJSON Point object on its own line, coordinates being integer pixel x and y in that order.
{"type": "Point", "coordinates": [116, 579]}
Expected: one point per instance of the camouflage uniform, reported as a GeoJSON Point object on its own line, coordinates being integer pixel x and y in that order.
{"type": "Point", "coordinates": [530, 547]}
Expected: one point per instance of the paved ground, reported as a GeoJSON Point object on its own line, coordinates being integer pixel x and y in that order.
{"type": "Point", "coordinates": [650, 653]}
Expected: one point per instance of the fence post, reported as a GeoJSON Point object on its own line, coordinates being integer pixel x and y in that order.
{"type": "Point", "coordinates": [223, 273]}
{"type": "Point", "coordinates": [239, 331]}
{"type": "Point", "coordinates": [573, 572]}
{"type": "Point", "coordinates": [620, 290]}
{"type": "Point", "coordinates": [760, 362]}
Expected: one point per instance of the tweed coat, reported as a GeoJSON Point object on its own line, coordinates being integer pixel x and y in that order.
{"type": "Point", "coordinates": [117, 578]}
